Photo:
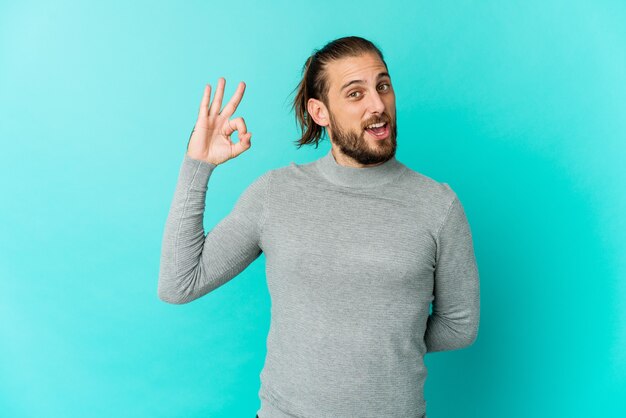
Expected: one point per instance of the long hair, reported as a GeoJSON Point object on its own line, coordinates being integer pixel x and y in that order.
{"type": "Point", "coordinates": [314, 83]}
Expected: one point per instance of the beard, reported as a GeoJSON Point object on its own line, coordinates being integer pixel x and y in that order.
{"type": "Point", "coordinates": [362, 150]}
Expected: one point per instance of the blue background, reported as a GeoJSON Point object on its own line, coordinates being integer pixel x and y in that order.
{"type": "Point", "coordinates": [519, 106]}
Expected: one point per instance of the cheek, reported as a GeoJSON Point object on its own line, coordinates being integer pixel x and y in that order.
{"type": "Point", "coordinates": [391, 103]}
{"type": "Point", "coordinates": [352, 120]}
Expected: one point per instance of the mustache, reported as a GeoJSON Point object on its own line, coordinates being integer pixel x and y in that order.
{"type": "Point", "coordinates": [384, 118]}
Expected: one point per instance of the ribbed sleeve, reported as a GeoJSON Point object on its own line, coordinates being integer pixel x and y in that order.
{"type": "Point", "coordinates": [192, 263]}
{"type": "Point", "coordinates": [453, 323]}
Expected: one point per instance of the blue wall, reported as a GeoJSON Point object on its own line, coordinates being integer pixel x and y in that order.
{"type": "Point", "coordinates": [519, 106]}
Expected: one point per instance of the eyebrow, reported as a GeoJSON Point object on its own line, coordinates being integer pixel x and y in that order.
{"type": "Point", "coordinates": [349, 83]}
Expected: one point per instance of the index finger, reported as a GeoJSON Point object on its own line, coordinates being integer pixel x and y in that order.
{"type": "Point", "coordinates": [204, 104]}
{"type": "Point", "coordinates": [234, 101]}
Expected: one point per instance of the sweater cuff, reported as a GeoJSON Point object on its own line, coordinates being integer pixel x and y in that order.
{"type": "Point", "coordinates": [196, 173]}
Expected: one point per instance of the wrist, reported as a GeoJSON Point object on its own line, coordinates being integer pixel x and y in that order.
{"type": "Point", "coordinates": [201, 158]}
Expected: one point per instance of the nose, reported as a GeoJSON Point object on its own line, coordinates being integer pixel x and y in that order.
{"type": "Point", "coordinates": [376, 105]}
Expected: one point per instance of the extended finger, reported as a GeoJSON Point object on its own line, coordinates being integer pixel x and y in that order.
{"type": "Point", "coordinates": [204, 104]}
{"type": "Point", "coordinates": [239, 126]}
{"type": "Point", "coordinates": [230, 108]}
{"type": "Point", "coordinates": [217, 99]}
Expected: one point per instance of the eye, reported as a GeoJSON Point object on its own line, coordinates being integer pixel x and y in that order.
{"type": "Point", "coordinates": [353, 94]}
{"type": "Point", "coordinates": [384, 84]}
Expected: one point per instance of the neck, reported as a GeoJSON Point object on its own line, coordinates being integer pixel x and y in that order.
{"type": "Point", "coordinates": [358, 176]}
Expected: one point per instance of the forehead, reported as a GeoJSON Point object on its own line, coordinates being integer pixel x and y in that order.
{"type": "Point", "coordinates": [363, 67]}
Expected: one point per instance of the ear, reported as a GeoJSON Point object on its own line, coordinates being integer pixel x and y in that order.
{"type": "Point", "coordinates": [318, 111]}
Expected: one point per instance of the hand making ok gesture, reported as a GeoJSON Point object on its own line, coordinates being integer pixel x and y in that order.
{"type": "Point", "coordinates": [210, 140]}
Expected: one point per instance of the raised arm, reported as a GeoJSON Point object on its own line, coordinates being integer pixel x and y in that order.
{"type": "Point", "coordinates": [453, 323]}
{"type": "Point", "coordinates": [192, 263]}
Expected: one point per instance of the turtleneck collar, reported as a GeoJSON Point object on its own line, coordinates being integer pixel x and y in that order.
{"type": "Point", "coordinates": [358, 176]}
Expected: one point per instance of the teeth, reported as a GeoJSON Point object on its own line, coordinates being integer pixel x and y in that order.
{"type": "Point", "coordinates": [376, 125]}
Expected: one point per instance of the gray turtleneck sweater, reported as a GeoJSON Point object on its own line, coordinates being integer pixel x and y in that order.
{"type": "Point", "coordinates": [354, 258]}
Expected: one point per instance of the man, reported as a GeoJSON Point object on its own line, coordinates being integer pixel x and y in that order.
{"type": "Point", "coordinates": [357, 247]}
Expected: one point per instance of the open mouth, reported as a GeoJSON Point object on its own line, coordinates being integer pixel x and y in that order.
{"type": "Point", "coordinates": [379, 130]}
